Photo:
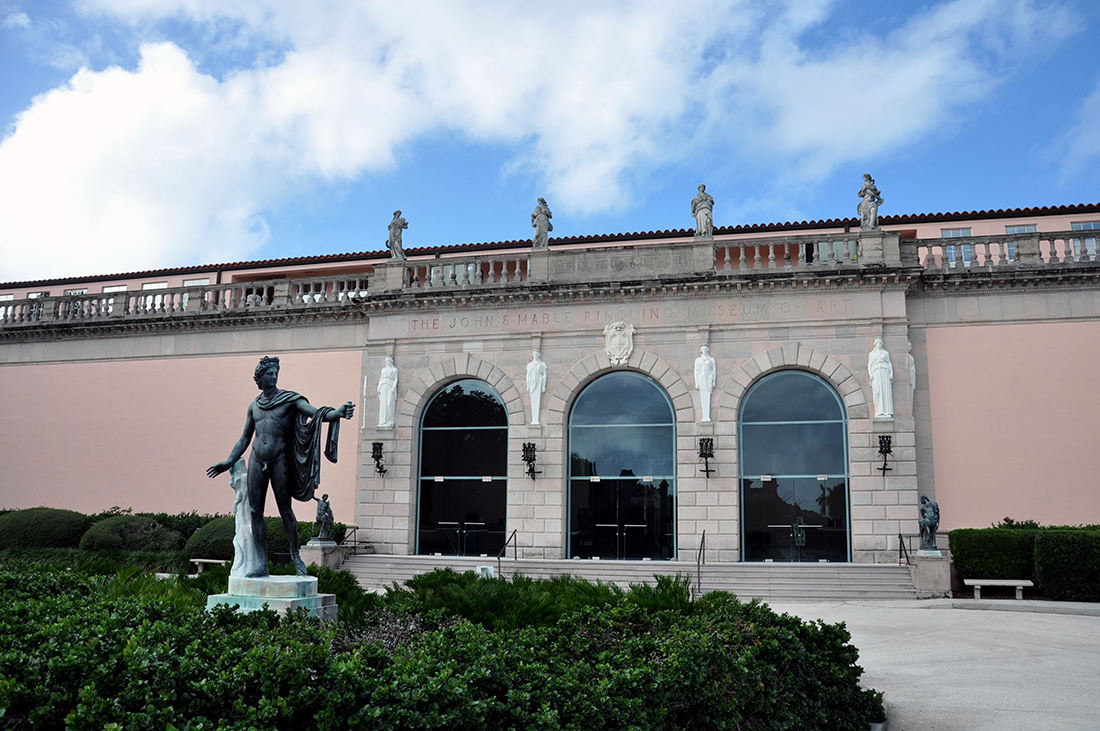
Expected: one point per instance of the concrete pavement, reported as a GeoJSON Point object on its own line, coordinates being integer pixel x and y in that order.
{"type": "Point", "coordinates": [1024, 665]}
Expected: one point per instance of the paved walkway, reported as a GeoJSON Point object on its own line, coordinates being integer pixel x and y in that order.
{"type": "Point", "coordinates": [1023, 665]}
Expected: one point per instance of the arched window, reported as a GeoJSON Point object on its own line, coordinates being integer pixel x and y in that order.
{"type": "Point", "coordinates": [622, 470]}
{"type": "Point", "coordinates": [462, 500]}
{"type": "Point", "coordinates": [794, 470]}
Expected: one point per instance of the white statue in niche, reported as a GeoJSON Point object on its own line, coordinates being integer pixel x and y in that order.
{"type": "Point", "coordinates": [246, 557]}
{"type": "Point", "coordinates": [387, 394]}
{"type": "Point", "coordinates": [912, 375]}
{"type": "Point", "coordinates": [706, 375]}
{"type": "Point", "coordinates": [536, 385]}
{"type": "Point", "coordinates": [882, 380]}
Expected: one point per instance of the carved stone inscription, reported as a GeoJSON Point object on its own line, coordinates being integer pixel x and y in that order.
{"type": "Point", "coordinates": [538, 319]}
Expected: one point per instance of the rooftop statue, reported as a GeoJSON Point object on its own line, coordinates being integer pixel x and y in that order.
{"type": "Point", "coordinates": [285, 432]}
{"type": "Point", "coordinates": [702, 207]}
{"type": "Point", "coordinates": [397, 225]}
{"type": "Point", "coordinates": [540, 220]}
{"type": "Point", "coordinates": [868, 206]}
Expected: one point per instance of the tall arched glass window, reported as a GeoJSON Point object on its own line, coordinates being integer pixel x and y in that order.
{"type": "Point", "coordinates": [462, 500]}
{"type": "Point", "coordinates": [794, 470]}
{"type": "Point", "coordinates": [622, 470]}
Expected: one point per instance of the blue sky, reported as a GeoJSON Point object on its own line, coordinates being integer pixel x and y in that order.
{"type": "Point", "coordinates": [142, 134]}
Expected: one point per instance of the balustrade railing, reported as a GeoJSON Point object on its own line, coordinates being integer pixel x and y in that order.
{"type": "Point", "coordinates": [476, 271]}
{"type": "Point", "coordinates": [987, 252]}
{"type": "Point", "coordinates": [829, 250]}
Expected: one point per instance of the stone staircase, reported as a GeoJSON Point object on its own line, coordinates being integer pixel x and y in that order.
{"type": "Point", "coordinates": [770, 582]}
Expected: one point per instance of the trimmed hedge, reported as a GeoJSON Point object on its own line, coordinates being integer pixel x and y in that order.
{"type": "Point", "coordinates": [42, 528]}
{"type": "Point", "coordinates": [1067, 564]}
{"type": "Point", "coordinates": [71, 657]}
{"type": "Point", "coordinates": [994, 553]}
{"type": "Point", "coordinates": [215, 539]}
{"type": "Point", "coordinates": [130, 533]}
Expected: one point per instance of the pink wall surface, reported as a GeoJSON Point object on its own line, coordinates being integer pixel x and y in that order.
{"type": "Point", "coordinates": [1015, 418]}
{"type": "Point", "coordinates": [141, 433]}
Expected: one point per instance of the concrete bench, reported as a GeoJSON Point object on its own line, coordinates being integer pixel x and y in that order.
{"type": "Point", "coordinates": [979, 583]}
{"type": "Point", "coordinates": [201, 563]}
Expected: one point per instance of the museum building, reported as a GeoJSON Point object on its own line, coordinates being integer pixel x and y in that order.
{"type": "Point", "coordinates": [609, 397]}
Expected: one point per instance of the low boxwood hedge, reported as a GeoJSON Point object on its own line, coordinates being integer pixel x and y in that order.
{"type": "Point", "coordinates": [215, 539]}
{"type": "Point", "coordinates": [993, 553]}
{"type": "Point", "coordinates": [42, 528]}
{"type": "Point", "coordinates": [1067, 564]}
{"type": "Point", "coordinates": [130, 533]}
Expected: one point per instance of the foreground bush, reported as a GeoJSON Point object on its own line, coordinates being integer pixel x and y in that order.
{"type": "Point", "coordinates": [1067, 564]}
{"type": "Point", "coordinates": [130, 533]}
{"type": "Point", "coordinates": [42, 528]}
{"type": "Point", "coordinates": [994, 553]}
{"type": "Point", "coordinates": [73, 657]}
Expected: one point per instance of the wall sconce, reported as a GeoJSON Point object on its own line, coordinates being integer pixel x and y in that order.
{"type": "Point", "coordinates": [529, 458]}
{"type": "Point", "coordinates": [706, 453]}
{"type": "Point", "coordinates": [377, 456]}
{"type": "Point", "coordinates": [885, 450]}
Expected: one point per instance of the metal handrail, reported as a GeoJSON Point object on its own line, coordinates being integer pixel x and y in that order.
{"type": "Point", "coordinates": [700, 559]}
{"type": "Point", "coordinates": [902, 551]}
{"type": "Point", "coordinates": [515, 548]}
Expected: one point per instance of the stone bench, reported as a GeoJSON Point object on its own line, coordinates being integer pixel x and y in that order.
{"type": "Point", "coordinates": [979, 583]}
{"type": "Point", "coordinates": [201, 563]}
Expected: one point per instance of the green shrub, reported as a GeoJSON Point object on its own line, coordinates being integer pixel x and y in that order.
{"type": "Point", "coordinates": [1067, 564]}
{"type": "Point", "coordinates": [130, 533]}
{"type": "Point", "coordinates": [1018, 524]}
{"type": "Point", "coordinates": [215, 539]}
{"type": "Point", "coordinates": [42, 528]}
{"type": "Point", "coordinates": [96, 562]}
{"type": "Point", "coordinates": [993, 553]}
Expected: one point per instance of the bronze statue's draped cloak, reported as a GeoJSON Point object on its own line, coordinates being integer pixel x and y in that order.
{"type": "Point", "coordinates": [306, 474]}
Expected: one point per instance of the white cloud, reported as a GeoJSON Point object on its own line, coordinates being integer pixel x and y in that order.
{"type": "Point", "coordinates": [17, 20]}
{"type": "Point", "coordinates": [166, 165]}
{"type": "Point", "coordinates": [1079, 146]}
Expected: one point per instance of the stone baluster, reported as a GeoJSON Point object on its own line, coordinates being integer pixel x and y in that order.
{"type": "Point", "coordinates": [479, 274]}
{"type": "Point", "coordinates": [756, 257]}
{"type": "Point", "coordinates": [771, 255]}
{"type": "Point", "coordinates": [741, 261]}
{"type": "Point", "coordinates": [464, 279]}
{"type": "Point", "coordinates": [1053, 242]}
{"type": "Point", "coordinates": [1001, 254]}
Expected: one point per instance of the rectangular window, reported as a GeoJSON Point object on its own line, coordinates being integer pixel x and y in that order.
{"type": "Point", "coordinates": [1026, 228]}
{"type": "Point", "coordinates": [1084, 226]}
{"type": "Point", "coordinates": [6, 297]}
{"type": "Point", "coordinates": [1089, 248]}
{"type": "Point", "coordinates": [954, 233]}
{"type": "Point", "coordinates": [196, 282]}
{"type": "Point", "coordinates": [115, 288]}
{"type": "Point", "coordinates": [155, 285]}
{"type": "Point", "coordinates": [37, 295]}
{"type": "Point", "coordinates": [74, 292]}
{"type": "Point", "coordinates": [953, 253]}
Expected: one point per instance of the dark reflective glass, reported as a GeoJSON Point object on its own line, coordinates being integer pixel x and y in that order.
{"type": "Point", "coordinates": [795, 519]}
{"type": "Point", "coordinates": [622, 398]}
{"type": "Point", "coordinates": [612, 451]}
{"type": "Point", "coordinates": [792, 449]}
{"type": "Point", "coordinates": [464, 452]}
{"type": "Point", "coordinates": [621, 519]}
{"type": "Point", "coordinates": [462, 517]}
{"type": "Point", "coordinates": [791, 396]}
{"type": "Point", "coordinates": [466, 403]}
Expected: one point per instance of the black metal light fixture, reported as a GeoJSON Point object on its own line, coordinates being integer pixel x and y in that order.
{"type": "Point", "coordinates": [377, 456]}
{"type": "Point", "coordinates": [885, 450]}
{"type": "Point", "coordinates": [706, 453]}
{"type": "Point", "coordinates": [530, 456]}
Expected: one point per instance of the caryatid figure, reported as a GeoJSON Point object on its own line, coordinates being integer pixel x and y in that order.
{"type": "Point", "coordinates": [387, 394]}
{"type": "Point", "coordinates": [540, 220]}
{"type": "Point", "coordinates": [706, 375]}
{"type": "Point", "coordinates": [536, 385]}
{"type": "Point", "coordinates": [881, 371]}
{"type": "Point", "coordinates": [702, 207]}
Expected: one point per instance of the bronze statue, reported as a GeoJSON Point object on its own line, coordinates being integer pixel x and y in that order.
{"type": "Point", "coordinates": [929, 523]}
{"type": "Point", "coordinates": [325, 519]}
{"type": "Point", "coordinates": [285, 432]}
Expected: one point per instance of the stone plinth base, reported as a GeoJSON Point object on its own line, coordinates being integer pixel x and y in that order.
{"type": "Point", "coordinates": [931, 575]}
{"type": "Point", "coordinates": [322, 553]}
{"type": "Point", "coordinates": [281, 593]}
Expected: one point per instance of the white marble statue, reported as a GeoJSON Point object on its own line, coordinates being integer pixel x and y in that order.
{"type": "Point", "coordinates": [246, 555]}
{"type": "Point", "coordinates": [868, 205]}
{"type": "Point", "coordinates": [882, 380]}
{"type": "Point", "coordinates": [706, 375]}
{"type": "Point", "coordinates": [536, 385]}
{"type": "Point", "coordinates": [387, 394]}
{"type": "Point", "coordinates": [397, 225]}
{"type": "Point", "coordinates": [912, 375]}
{"type": "Point", "coordinates": [540, 220]}
{"type": "Point", "coordinates": [702, 207]}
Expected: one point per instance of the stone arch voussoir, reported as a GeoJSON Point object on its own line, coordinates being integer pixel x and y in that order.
{"type": "Point", "coordinates": [455, 368]}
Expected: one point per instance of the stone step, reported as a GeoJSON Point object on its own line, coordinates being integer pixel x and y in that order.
{"type": "Point", "coordinates": [826, 582]}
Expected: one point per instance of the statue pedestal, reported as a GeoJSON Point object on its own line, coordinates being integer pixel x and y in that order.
{"type": "Point", "coordinates": [931, 572]}
{"type": "Point", "coordinates": [322, 553]}
{"type": "Point", "coordinates": [281, 593]}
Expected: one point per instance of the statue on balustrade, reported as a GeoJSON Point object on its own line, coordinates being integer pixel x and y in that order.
{"type": "Point", "coordinates": [397, 225]}
{"type": "Point", "coordinates": [868, 206]}
{"type": "Point", "coordinates": [324, 518]}
{"type": "Point", "coordinates": [387, 395]}
{"type": "Point", "coordinates": [706, 375]}
{"type": "Point", "coordinates": [536, 385]}
{"type": "Point", "coordinates": [929, 522]}
{"type": "Point", "coordinates": [881, 371]}
{"type": "Point", "coordinates": [702, 207]}
{"type": "Point", "coordinates": [540, 220]}
{"type": "Point", "coordinates": [285, 433]}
